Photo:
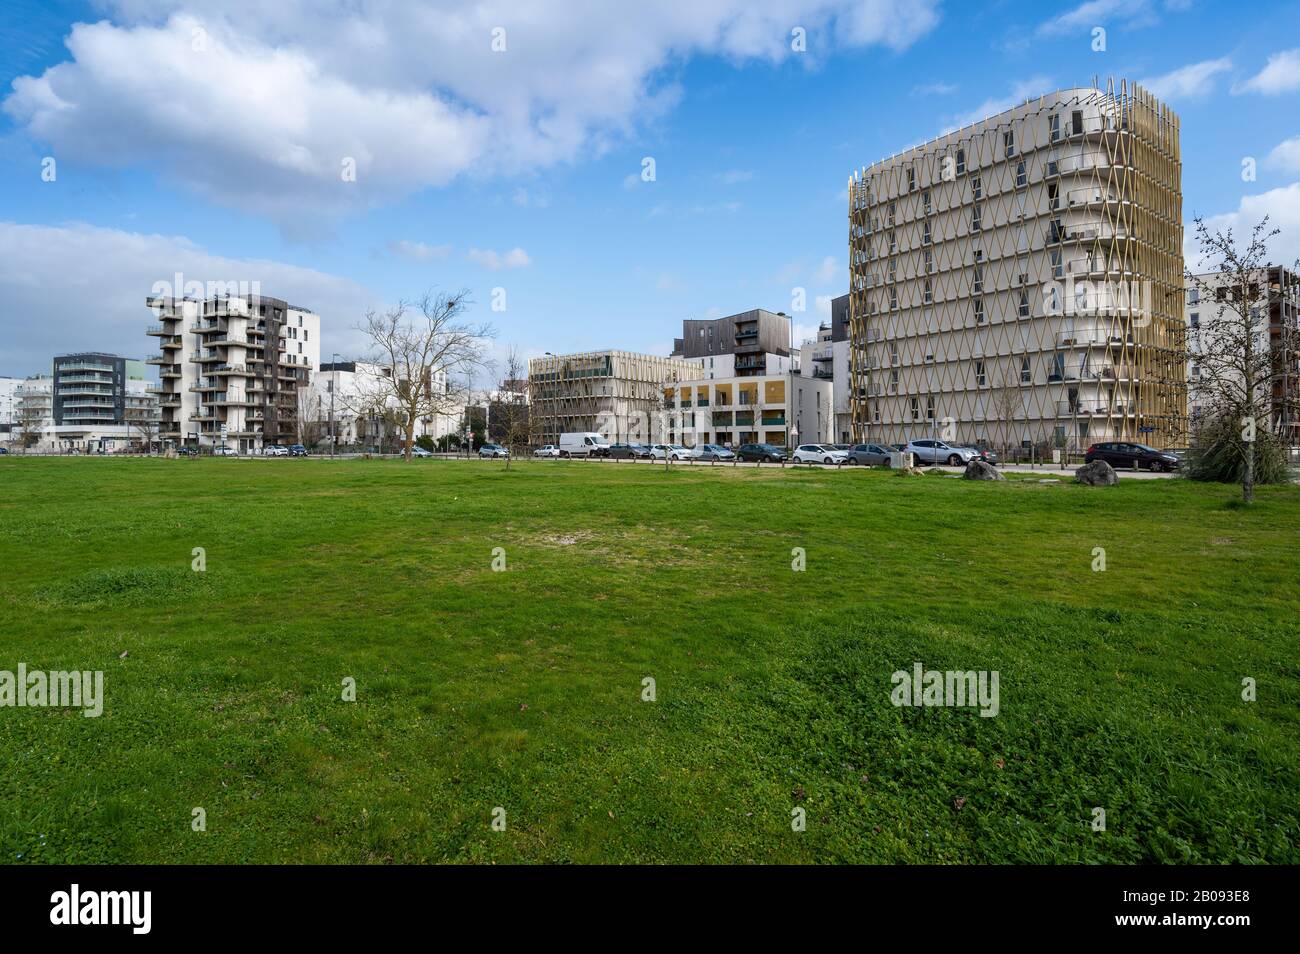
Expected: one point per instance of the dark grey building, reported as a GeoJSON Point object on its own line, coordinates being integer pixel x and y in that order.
{"type": "Point", "coordinates": [90, 389]}
{"type": "Point", "coordinates": [750, 336]}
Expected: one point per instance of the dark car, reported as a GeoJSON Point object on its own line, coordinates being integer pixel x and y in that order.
{"type": "Point", "coordinates": [628, 451]}
{"type": "Point", "coordinates": [4, 450]}
{"type": "Point", "coordinates": [1137, 456]}
{"type": "Point", "coordinates": [871, 455]}
{"type": "Point", "coordinates": [297, 450]}
{"type": "Point", "coordinates": [760, 452]}
{"type": "Point", "coordinates": [188, 451]}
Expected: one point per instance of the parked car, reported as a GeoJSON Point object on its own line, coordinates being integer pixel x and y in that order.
{"type": "Point", "coordinates": [760, 452]}
{"type": "Point", "coordinates": [711, 452]}
{"type": "Point", "coordinates": [1137, 456]}
{"type": "Point", "coordinates": [897, 447]}
{"type": "Point", "coordinates": [583, 444]}
{"type": "Point", "coordinates": [941, 452]}
{"type": "Point", "coordinates": [225, 452]}
{"type": "Point", "coordinates": [3, 451]}
{"type": "Point", "coordinates": [493, 450]}
{"type": "Point", "coordinates": [275, 450]}
{"type": "Point", "coordinates": [818, 454]}
{"type": "Point", "coordinates": [297, 450]}
{"type": "Point", "coordinates": [629, 450]}
{"type": "Point", "coordinates": [844, 447]}
{"type": "Point", "coordinates": [187, 451]}
{"type": "Point", "coordinates": [547, 450]}
{"type": "Point", "coordinates": [870, 455]}
{"type": "Point", "coordinates": [675, 451]}
{"type": "Point", "coordinates": [420, 452]}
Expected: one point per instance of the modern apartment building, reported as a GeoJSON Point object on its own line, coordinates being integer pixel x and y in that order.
{"type": "Point", "coordinates": [826, 357]}
{"type": "Point", "coordinates": [1277, 310]}
{"type": "Point", "coordinates": [1020, 280]}
{"type": "Point", "coordinates": [618, 394]}
{"type": "Point", "coordinates": [90, 389]}
{"type": "Point", "coordinates": [749, 344]}
{"type": "Point", "coordinates": [234, 369]}
{"type": "Point", "coordinates": [780, 409]}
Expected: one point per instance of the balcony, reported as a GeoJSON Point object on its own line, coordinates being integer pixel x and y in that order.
{"type": "Point", "coordinates": [170, 371]}
{"type": "Point", "coordinates": [156, 330]}
{"type": "Point", "coordinates": [1088, 337]}
{"type": "Point", "coordinates": [158, 359]}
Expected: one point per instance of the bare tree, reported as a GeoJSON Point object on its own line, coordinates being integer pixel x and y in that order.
{"type": "Point", "coordinates": [141, 420]}
{"type": "Point", "coordinates": [510, 411]}
{"type": "Point", "coordinates": [1231, 350]}
{"type": "Point", "coordinates": [310, 414]}
{"type": "Point", "coordinates": [420, 347]}
{"type": "Point", "coordinates": [1007, 402]}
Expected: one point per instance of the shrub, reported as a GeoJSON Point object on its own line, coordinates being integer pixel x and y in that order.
{"type": "Point", "coordinates": [1218, 453]}
{"type": "Point", "coordinates": [425, 442]}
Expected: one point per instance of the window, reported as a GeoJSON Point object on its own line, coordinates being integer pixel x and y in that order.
{"type": "Point", "coordinates": [925, 202]}
{"type": "Point", "coordinates": [1054, 123]}
{"type": "Point", "coordinates": [892, 209]}
{"type": "Point", "coordinates": [1195, 319]}
{"type": "Point", "coordinates": [916, 409]}
{"type": "Point", "coordinates": [1058, 269]}
{"type": "Point", "coordinates": [911, 179]}
{"type": "Point", "coordinates": [961, 162]}
{"type": "Point", "coordinates": [976, 217]}
{"type": "Point", "coordinates": [929, 407]}
{"type": "Point", "coordinates": [1023, 309]}
{"type": "Point", "coordinates": [977, 282]}
{"type": "Point", "coordinates": [1025, 374]}
{"type": "Point", "coordinates": [981, 378]}
{"type": "Point", "coordinates": [929, 292]}
{"type": "Point", "coordinates": [929, 262]}
{"type": "Point", "coordinates": [893, 299]}
{"type": "Point", "coordinates": [893, 270]}
{"type": "Point", "coordinates": [1009, 143]}
{"type": "Point", "coordinates": [1053, 196]}
{"type": "Point", "coordinates": [925, 233]}
{"type": "Point", "coordinates": [893, 243]}
{"type": "Point", "coordinates": [1076, 123]}
{"type": "Point", "coordinates": [1022, 177]}
{"type": "Point", "coordinates": [893, 355]}
{"type": "Point", "coordinates": [976, 187]}
{"type": "Point", "coordinates": [1193, 296]}
{"type": "Point", "coordinates": [978, 304]}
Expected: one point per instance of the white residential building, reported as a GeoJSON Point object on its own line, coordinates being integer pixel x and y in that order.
{"type": "Point", "coordinates": [231, 369]}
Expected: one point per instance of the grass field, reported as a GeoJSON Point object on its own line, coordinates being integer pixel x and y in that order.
{"type": "Point", "coordinates": [522, 689]}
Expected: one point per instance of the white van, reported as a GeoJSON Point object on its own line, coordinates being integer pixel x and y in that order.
{"type": "Point", "coordinates": [583, 444]}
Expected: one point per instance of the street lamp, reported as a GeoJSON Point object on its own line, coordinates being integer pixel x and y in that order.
{"type": "Point", "coordinates": [334, 386]}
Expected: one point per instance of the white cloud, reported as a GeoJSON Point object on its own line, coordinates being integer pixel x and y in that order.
{"type": "Point", "coordinates": [829, 270]}
{"type": "Point", "coordinates": [81, 287]}
{"type": "Point", "coordinates": [1285, 155]}
{"type": "Point", "coordinates": [1104, 13]}
{"type": "Point", "coordinates": [1280, 75]}
{"type": "Point", "coordinates": [823, 305]}
{"type": "Point", "coordinates": [1282, 206]}
{"type": "Point", "coordinates": [418, 251]}
{"type": "Point", "coordinates": [734, 176]}
{"type": "Point", "coordinates": [935, 89]}
{"type": "Point", "coordinates": [515, 258]}
{"type": "Point", "coordinates": [668, 283]}
{"type": "Point", "coordinates": [1024, 89]}
{"type": "Point", "coordinates": [263, 116]}
{"type": "Point", "coordinates": [1188, 82]}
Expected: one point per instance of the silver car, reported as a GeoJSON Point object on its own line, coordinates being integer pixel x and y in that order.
{"type": "Point", "coordinates": [711, 452]}
{"type": "Point", "coordinates": [871, 455]}
{"type": "Point", "coordinates": [940, 452]}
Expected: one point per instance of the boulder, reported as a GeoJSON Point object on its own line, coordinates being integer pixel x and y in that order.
{"type": "Point", "coordinates": [1097, 474]}
{"type": "Point", "coordinates": [982, 470]}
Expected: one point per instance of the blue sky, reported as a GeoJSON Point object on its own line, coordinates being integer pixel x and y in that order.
{"type": "Point", "coordinates": [207, 138]}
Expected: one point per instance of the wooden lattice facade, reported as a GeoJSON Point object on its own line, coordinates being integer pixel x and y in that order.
{"type": "Point", "coordinates": [615, 393]}
{"type": "Point", "coordinates": [1021, 279]}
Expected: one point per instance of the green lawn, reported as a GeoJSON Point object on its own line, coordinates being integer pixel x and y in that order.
{"type": "Point", "coordinates": [522, 689]}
